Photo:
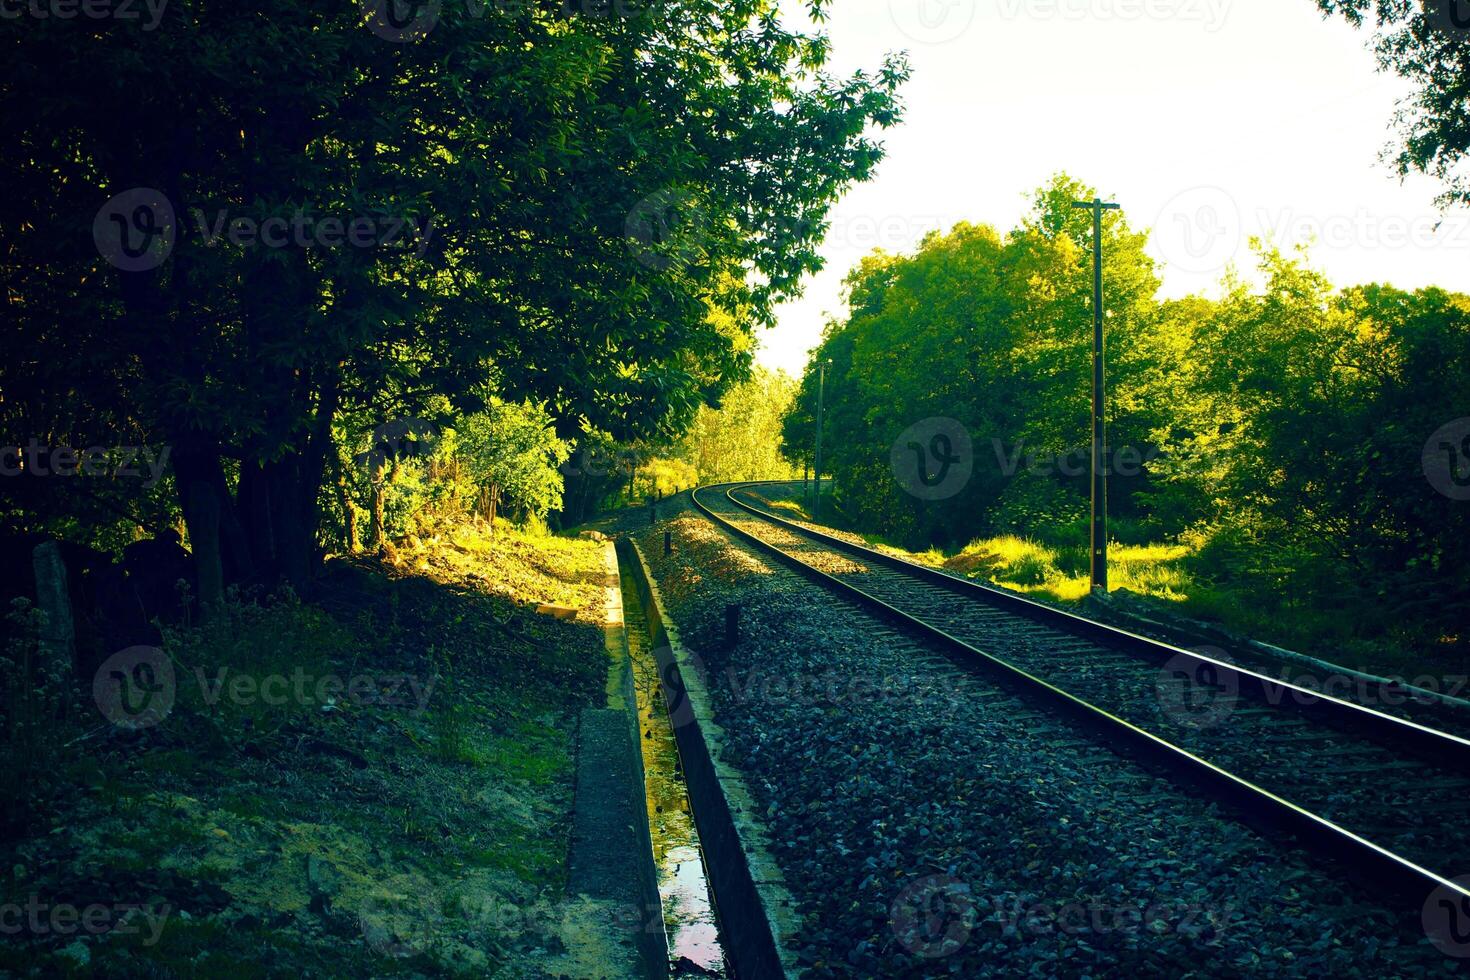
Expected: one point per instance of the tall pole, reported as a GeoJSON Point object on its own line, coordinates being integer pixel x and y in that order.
{"type": "Point", "coordinates": [817, 469]}
{"type": "Point", "coordinates": [1099, 432]}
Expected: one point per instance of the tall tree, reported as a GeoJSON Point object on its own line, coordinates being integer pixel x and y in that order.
{"type": "Point", "coordinates": [1428, 43]}
{"type": "Point", "coordinates": [591, 210]}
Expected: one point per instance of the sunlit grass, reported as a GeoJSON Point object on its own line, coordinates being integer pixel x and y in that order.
{"type": "Point", "coordinates": [1061, 574]}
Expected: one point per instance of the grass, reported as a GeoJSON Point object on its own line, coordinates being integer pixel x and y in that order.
{"type": "Point", "coordinates": [1061, 574]}
{"type": "Point", "coordinates": [1207, 575]}
{"type": "Point", "coordinates": [220, 810]}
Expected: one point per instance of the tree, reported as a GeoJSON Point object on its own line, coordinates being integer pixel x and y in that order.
{"type": "Point", "coordinates": [1428, 43]}
{"type": "Point", "coordinates": [599, 209]}
{"type": "Point", "coordinates": [740, 439]}
{"type": "Point", "coordinates": [513, 453]}
{"type": "Point", "coordinates": [990, 331]}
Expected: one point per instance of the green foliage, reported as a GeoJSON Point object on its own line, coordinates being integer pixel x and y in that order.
{"type": "Point", "coordinates": [515, 450]}
{"type": "Point", "coordinates": [33, 699]}
{"type": "Point", "coordinates": [740, 438]}
{"type": "Point", "coordinates": [1435, 58]}
{"type": "Point", "coordinates": [987, 330]}
{"type": "Point", "coordinates": [601, 207]}
{"type": "Point", "coordinates": [1276, 436]}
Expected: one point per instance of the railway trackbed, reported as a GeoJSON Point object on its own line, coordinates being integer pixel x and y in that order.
{"type": "Point", "coordinates": [1385, 796]}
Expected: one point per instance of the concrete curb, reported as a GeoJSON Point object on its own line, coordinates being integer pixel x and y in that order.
{"type": "Point", "coordinates": [612, 849]}
{"type": "Point", "coordinates": [758, 916]}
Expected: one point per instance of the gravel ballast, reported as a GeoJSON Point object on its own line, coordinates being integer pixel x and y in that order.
{"type": "Point", "coordinates": [930, 824]}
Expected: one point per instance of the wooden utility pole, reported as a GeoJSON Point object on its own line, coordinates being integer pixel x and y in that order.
{"type": "Point", "coordinates": [817, 469]}
{"type": "Point", "coordinates": [1099, 433]}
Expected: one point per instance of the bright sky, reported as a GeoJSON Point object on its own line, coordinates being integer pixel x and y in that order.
{"type": "Point", "coordinates": [1208, 120]}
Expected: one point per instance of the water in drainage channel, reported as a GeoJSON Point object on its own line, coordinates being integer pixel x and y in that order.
{"type": "Point", "coordinates": [689, 911]}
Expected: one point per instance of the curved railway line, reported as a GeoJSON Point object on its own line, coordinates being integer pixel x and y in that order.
{"type": "Point", "coordinates": [1385, 795]}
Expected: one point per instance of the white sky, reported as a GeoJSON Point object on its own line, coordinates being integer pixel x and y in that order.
{"type": "Point", "coordinates": [1208, 120]}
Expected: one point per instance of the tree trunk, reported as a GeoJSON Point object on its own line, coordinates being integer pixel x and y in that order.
{"type": "Point", "coordinates": [349, 508]}
{"type": "Point", "coordinates": [378, 539]}
{"type": "Point", "coordinates": [200, 498]}
{"type": "Point", "coordinates": [202, 510]}
{"type": "Point", "coordinates": [494, 504]}
{"type": "Point", "coordinates": [53, 597]}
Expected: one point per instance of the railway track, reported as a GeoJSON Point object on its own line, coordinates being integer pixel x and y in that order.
{"type": "Point", "coordinates": [1385, 795]}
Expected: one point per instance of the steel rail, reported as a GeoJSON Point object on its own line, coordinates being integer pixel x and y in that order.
{"type": "Point", "coordinates": [1439, 747]}
{"type": "Point", "coordinates": [1376, 866]}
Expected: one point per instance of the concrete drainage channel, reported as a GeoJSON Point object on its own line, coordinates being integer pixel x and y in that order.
{"type": "Point", "coordinates": [755, 911]}
{"type": "Point", "coordinates": [690, 922]}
